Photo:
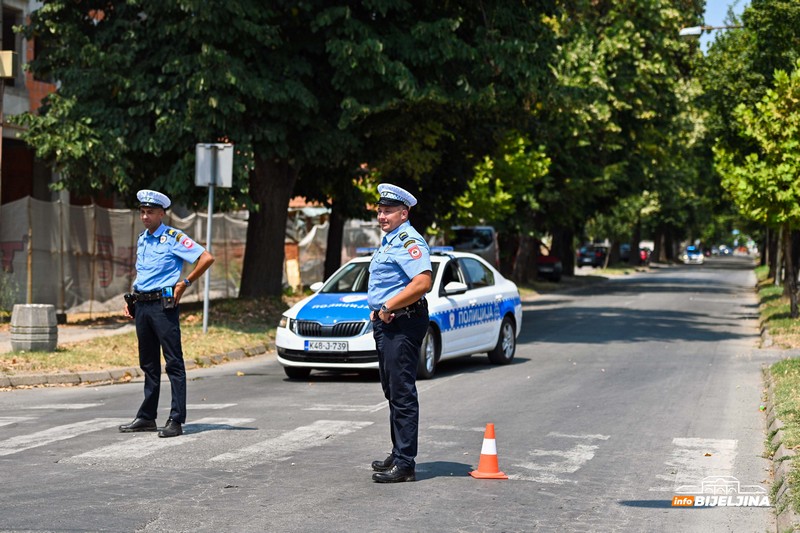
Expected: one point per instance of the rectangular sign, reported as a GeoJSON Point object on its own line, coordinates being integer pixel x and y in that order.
{"type": "Point", "coordinates": [206, 172]}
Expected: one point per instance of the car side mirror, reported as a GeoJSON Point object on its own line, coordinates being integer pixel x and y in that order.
{"type": "Point", "coordinates": [315, 287]}
{"type": "Point", "coordinates": [455, 287]}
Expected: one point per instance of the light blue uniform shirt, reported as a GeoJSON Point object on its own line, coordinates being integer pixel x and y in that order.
{"type": "Point", "coordinates": [403, 255]}
{"type": "Point", "coordinates": [160, 257]}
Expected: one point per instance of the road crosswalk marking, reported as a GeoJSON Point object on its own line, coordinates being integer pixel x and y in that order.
{"type": "Point", "coordinates": [143, 444]}
{"type": "Point", "coordinates": [693, 459]}
{"type": "Point", "coordinates": [63, 406]}
{"type": "Point", "coordinates": [55, 434]}
{"type": "Point", "coordinates": [8, 420]}
{"type": "Point", "coordinates": [348, 408]}
{"type": "Point", "coordinates": [284, 445]}
{"type": "Point", "coordinates": [201, 406]}
{"type": "Point", "coordinates": [559, 463]}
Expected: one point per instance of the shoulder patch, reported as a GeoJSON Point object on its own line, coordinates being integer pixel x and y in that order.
{"type": "Point", "coordinates": [403, 236]}
{"type": "Point", "coordinates": [178, 237]}
{"type": "Point", "coordinates": [415, 252]}
{"type": "Point", "coordinates": [188, 243]}
{"type": "Point", "coordinates": [408, 243]}
{"type": "Point", "coordinates": [172, 231]}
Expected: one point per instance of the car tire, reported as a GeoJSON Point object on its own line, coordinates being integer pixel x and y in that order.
{"type": "Point", "coordinates": [503, 352]}
{"type": "Point", "coordinates": [296, 372]}
{"type": "Point", "coordinates": [428, 354]}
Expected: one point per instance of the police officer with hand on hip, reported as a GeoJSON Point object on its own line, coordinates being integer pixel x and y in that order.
{"type": "Point", "coordinates": [399, 278]}
{"type": "Point", "coordinates": [160, 254]}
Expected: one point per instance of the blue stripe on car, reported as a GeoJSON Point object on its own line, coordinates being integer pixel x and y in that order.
{"type": "Point", "coordinates": [462, 317]}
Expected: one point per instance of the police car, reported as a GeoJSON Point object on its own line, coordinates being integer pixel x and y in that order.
{"type": "Point", "coordinates": [472, 308]}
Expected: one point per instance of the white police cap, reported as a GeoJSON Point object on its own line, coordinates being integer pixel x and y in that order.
{"type": "Point", "coordinates": [394, 195]}
{"type": "Point", "coordinates": [148, 198]}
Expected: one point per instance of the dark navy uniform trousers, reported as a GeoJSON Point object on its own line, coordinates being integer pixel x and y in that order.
{"type": "Point", "coordinates": [157, 327]}
{"type": "Point", "coordinates": [398, 344]}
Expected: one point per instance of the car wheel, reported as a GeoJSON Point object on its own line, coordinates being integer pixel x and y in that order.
{"type": "Point", "coordinates": [428, 355]}
{"type": "Point", "coordinates": [503, 352]}
{"type": "Point", "coordinates": [295, 372]}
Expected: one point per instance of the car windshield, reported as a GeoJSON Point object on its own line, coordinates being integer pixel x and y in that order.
{"type": "Point", "coordinates": [473, 239]}
{"type": "Point", "coordinates": [354, 277]}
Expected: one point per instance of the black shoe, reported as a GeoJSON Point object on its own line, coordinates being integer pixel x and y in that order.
{"type": "Point", "coordinates": [395, 475]}
{"type": "Point", "coordinates": [172, 429]}
{"type": "Point", "coordinates": [139, 424]}
{"type": "Point", "coordinates": [383, 466]}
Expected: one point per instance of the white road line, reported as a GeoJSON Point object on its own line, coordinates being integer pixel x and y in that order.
{"type": "Point", "coordinates": [348, 408]}
{"type": "Point", "coordinates": [8, 420]}
{"type": "Point", "coordinates": [55, 434]}
{"type": "Point", "coordinates": [146, 443]}
{"type": "Point", "coordinates": [587, 437]}
{"type": "Point", "coordinates": [63, 406]}
{"type": "Point", "coordinates": [565, 462]}
{"type": "Point", "coordinates": [457, 428]}
{"type": "Point", "coordinates": [694, 459]}
{"type": "Point", "coordinates": [200, 406]}
{"type": "Point", "coordinates": [298, 439]}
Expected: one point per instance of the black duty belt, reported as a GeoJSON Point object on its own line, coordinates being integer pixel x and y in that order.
{"type": "Point", "coordinates": [148, 296]}
{"type": "Point", "coordinates": [412, 309]}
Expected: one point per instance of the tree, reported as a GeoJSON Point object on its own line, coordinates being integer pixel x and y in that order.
{"type": "Point", "coordinates": [296, 86]}
{"type": "Point", "coordinates": [766, 187]}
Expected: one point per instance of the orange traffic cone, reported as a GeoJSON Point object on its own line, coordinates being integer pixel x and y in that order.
{"type": "Point", "coordinates": [488, 467]}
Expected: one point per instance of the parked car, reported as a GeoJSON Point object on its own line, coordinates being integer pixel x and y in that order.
{"type": "Point", "coordinates": [590, 255]}
{"type": "Point", "coordinates": [472, 307]}
{"type": "Point", "coordinates": [625, 254]}
{"type": "Point", "coordinates": [479, 240]}
{"type": "Point", "coordinates": [692, 255]}
{"type": "Point", "coordinates": [549, 267]}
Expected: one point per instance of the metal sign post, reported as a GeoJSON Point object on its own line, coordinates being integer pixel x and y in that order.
{"type": "Point", "coordinates": [213, 168]}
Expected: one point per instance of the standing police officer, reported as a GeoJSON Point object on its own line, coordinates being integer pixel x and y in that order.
{"type": "Point", "coordinates": [399, 278]}
{"type": "Point", "coordinates": [160, 253]}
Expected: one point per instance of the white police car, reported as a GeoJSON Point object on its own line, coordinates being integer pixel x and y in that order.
{"type": "Point", "coordinates": [472, 308]}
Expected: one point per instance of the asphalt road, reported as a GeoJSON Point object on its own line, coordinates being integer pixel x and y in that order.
{"type": "Point", "coordinates": [620, 395]}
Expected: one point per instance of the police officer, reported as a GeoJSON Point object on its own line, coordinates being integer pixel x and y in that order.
{"type": "Point", "coordinates": [160, 254]}
{"type": "Point", "coordinates": [399, 278]}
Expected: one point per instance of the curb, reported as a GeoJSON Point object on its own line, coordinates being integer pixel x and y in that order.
{"type": "Point", "coordinates": [782, 464]}
{"type": "Point", "coordinates": [125, 374]}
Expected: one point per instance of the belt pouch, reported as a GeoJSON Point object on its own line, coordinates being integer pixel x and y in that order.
{"type": "Point", "coordinates": [130, 301]}
{"type": "Point", "coordinates": [167, 298]}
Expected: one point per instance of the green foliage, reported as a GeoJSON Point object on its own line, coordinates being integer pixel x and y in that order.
{"type": "Point", "coordinates": [766, 185]}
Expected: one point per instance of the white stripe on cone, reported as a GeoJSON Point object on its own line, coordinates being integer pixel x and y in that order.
{"type": "Point", "coordinates": [489, 447]}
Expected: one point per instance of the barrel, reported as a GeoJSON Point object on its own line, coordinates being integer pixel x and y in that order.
{"type": "Point", "coordinates": [34, 328]}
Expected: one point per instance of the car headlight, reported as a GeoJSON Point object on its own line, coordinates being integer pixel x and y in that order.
{"type": "Point", "coordinates": [287, 323]}
{"type": "Point", "coordinates": [368, 329]}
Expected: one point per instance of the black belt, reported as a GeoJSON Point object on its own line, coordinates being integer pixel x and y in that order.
{"type": "Point", "coordinates": [412, 309]}
{"type": "Point", "coordinates": [148, 296]}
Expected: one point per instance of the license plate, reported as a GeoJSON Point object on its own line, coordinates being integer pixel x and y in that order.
{"type": "Point", "coordinates": [325, 346]}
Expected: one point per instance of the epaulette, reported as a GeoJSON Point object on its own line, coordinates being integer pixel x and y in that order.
{"type": "Point", "coordinates": [175, 233]}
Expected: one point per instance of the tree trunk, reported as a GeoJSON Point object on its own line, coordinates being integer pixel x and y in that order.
{"type": "Point", "coordinates": [333, 251]}
{"type": "Point", "coordinates": [634, 258]}
{"type": "Point", "coordinates": [658, 246]}
{"type": "Point", "coordinates": [791, 280]}
{"type": "Point", "coordinates": [563, 248]}
{"type": "Point", "coordinates": [271, 186]}
{"type": "Point", "coordinates": [778, 279]}
{"type": "Point", "coordinates": [522, 260]}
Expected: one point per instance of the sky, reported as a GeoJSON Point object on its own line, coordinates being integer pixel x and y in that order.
{"type": "Point", "coordinates": [716, 11]}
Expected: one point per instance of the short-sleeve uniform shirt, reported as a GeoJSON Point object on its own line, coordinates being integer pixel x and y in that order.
{"type": "Point", "coordinates": [160, 258]}
{"type": "Point", "coordinates": [403, 254]}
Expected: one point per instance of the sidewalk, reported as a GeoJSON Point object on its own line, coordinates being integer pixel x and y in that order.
{"type": "Point", "coordinates": [72, 333]}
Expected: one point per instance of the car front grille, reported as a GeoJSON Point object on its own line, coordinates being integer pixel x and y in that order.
{"type": "Point", "coordinates": [309, 328]}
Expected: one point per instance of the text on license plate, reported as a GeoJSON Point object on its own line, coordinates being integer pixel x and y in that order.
{"type": "Point", "coordinates": [325, 346]}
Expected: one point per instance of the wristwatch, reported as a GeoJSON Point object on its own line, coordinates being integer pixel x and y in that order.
{"type": "Point", "coordinates": [187, 281]}
{"type": "Point", "coordinates": [385, 309]}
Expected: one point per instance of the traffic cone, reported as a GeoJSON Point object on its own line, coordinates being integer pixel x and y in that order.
{"type": "Point", "coordinates": [488, 467]}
